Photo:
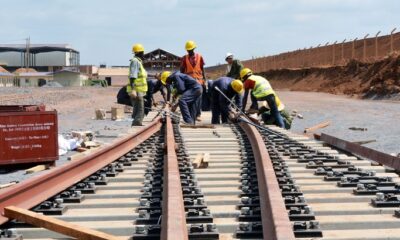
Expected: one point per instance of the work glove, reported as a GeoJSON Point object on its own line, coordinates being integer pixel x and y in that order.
{"type": "Point", "coordinates": [233, 117]}
{"type": "Point", "coordinates": [133, 94]}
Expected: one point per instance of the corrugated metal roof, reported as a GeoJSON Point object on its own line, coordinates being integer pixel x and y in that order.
{"type": "Point", "coordinates": [35, 74]}
{"type": "Point", "coordinates": [113, 71]}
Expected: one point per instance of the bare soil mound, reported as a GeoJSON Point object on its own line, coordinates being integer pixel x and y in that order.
{"type": "Point", "coordinates": [377, 80]}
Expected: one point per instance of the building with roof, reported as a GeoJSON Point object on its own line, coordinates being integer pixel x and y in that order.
{"type": "Point", "coordinates": [42, 57]}
{"type": "Point", "coordinates": [70, 78]}
{"type": "Point", "coordinates": [34, 79]}
{"type": "Point", "coordinates": [7, 79]}
{"type": "Point", "coordinates": [154, 62]}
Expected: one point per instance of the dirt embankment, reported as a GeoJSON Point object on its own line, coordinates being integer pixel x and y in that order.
{"type": "Point", "coordinates": [377, 80]}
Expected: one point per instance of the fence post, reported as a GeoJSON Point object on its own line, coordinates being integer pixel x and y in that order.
{"type": "Point", "coordinates": [365, 47]}
{"type": "Point", "coordinates": [333, 53]}
{"type": "Point", "coordinates": [343, 50]}
{"type": "Point", "coordinates": [353, 48]}
{"type": "Point", "coordinates": [391, 40]}
{"type": "Point", "coordinates": [376, 45]}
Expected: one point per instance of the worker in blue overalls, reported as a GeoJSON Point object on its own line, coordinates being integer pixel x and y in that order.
{"type": "Point", "coordinates": [187, 89]}
{"type": "Point", "coordinates": [220, 106]}
{"type": "Point", "coordinates": [153, 86]}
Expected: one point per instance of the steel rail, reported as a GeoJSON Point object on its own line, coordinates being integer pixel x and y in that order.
{"type": "Point", "coordinates": [275, 220]}
{"type": "Point", "coordinates": [173, 222]}
{"type": "Point", "coordinates": [35, 190]}
{"type": "Point", "coordinates": [354, 148]}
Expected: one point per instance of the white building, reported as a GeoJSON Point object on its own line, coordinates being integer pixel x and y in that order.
{"type": "Point", "coordinates": [42, 57]}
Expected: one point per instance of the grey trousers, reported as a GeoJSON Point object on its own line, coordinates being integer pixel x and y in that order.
{"type": "Point", "coordinates": [138, 109]}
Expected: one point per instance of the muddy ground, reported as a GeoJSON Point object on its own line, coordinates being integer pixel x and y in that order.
{"type": "Point", "coordinates": [76, 107]}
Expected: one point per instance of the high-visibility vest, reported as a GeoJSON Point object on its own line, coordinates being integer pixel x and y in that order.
{"type": "Point", "coordinates": [194, 71]}
{"type": "Point", "coordinates": [140, 83]}
{"type": "Point", "coordinates": [263, 88]}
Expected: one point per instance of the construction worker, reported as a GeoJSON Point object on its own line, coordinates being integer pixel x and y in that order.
{"type": "Point", "coordinates": [234, 66]}
{"type": "Point", "coordinates": [231, 88]}
{"type": "Point", "coordinates": [137, 86]}
{"type": "Point", "coordinates": [187, 89]}
{"type": "Point", "coordinates": [261, 90]}
{"type": "Point", "coordinates": [192, 64]}
{"type": "Point", "coordinates": [154, 85]}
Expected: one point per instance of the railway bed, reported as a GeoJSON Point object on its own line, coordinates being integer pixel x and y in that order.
{"type": "Point", "coordinates": [265, 183]}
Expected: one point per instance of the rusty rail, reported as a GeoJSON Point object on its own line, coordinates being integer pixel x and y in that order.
{"type": "Point", "coordinates": [380, 157]}
{"type": "Point", "coordinates": [275, 219]}
{"type": "Point", "coordinates": [30, 193]}
{"type": "Point", "coordinates": [173, 222]}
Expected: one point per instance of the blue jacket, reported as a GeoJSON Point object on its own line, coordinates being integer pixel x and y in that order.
{"type": "Point", "coordinates": [183, 82]}
{"type": "Point", "coordinates": [224, 84]}
{"type": "Point", "coordinates": [154, 86]}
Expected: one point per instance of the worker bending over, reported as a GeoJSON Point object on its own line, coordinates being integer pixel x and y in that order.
{"type": "Point", "coordinates": [187, 89]}
{"type": "Point", "coordinates": [154, 85]}
{"type": "Point", "coordinates": [220, 106]}
{"type": "Point", "coordinates": [234, 66]}
{"type": "Point", "coordinates": [192, 64]}
{"type": "Point", "coordinates": [261, 90]}
{"type": "Point", "coordinates": [137, 86]}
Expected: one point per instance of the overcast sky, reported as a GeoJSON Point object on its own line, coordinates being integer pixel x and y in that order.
{"type": "Point", "coordinates": [104, 31]}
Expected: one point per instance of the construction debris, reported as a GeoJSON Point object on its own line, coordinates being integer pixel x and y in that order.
{"type": "Point", "coordinates": [201, 160]}
{"type": "Point", "coordinates": [299, 116]}
{"type": "Point", "coordinates": [358, 129]}
{"type": "Point", "coordinates": [8, 184]}
{"type": "Point", "coordinates": [37, 168]}
{"type": "Point", "coordinates": [318, 126]}
{"type": "Point", "coordinates": [83, 135]}
{"type": "Point", "coordinates": [364, 141]}
{"type": "Point", "coordinates": [90, 144]}
{"type": "Point", "coordinates": [100, 114]}
{"type": "Point", "coordinates": [128, 109]}
{"type": "Point", "coordinates": [55, 225]}
{"type": "Point", "coordinates": [117, 113]}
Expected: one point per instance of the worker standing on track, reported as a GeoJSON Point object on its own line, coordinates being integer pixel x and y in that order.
{"type": "Point", "coordinates": [261, 90]}
{"type": "Point", "coordinates": [192, 64]}
{"type": "Point", "coordinates": [234, 66]}
{"type": "Point", "coordinates": [232, 88]}
{"type": "Point", "coordinates": [153, 86]}
{"type": "Point", "coordinates": [187, 89]}
{"type": "Point", "coordinates": [137, 86]}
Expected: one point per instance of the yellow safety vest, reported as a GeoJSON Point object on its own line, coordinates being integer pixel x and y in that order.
{"type": "Point", "coordinates": [140, 83]}
{"type": "Point", "coordinates": [263, 88]}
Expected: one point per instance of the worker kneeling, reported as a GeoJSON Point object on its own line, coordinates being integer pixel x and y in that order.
{"type": "Point", "coordinates": [261, 90]}
{"type": "Point", "coordinates": [187, 90]}
{"type": "Point", "coordinates": [220, 106]}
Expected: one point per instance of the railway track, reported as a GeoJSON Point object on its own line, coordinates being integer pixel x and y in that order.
{"type": "Point", "coordinates": [259, 184]}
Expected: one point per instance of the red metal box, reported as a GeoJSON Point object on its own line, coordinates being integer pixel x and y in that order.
{"type": "Point", "coordinates": [28, 136]}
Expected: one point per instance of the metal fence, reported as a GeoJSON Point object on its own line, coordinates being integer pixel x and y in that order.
{"type": "Point", "coordinates": [366, 49]}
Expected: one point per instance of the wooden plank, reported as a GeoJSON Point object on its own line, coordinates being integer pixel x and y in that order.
{"type": "Point", "coordinates": [318, 126]}
{"type": "Point", "coordinates": [197, 161]}
{"type": "Point", "coordinates": [37, 168]}
{"type": "Point", "coordinates": [205, 161]}
{"type": "Point", "coordinates": [55, 225]}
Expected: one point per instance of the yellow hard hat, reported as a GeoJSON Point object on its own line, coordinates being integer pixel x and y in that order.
{"type": "Point", "coordinates": [245, 72]}
{"type": "Point", "coordinates": [237, 86]}
{"type": "Point", "coordinates": [190, 45]}
{"type": "Point", "coordinates": [164, 77]}
{"type": "Point", "coordinates": [137, 48]}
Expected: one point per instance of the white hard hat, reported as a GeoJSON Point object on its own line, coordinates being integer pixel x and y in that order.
{"type": "Point", "coordinates": [229, 55]}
